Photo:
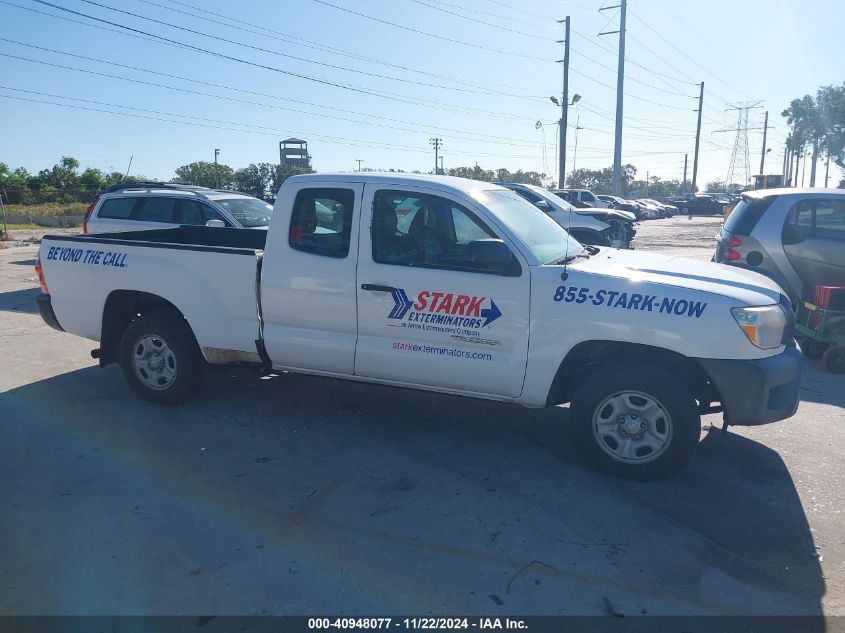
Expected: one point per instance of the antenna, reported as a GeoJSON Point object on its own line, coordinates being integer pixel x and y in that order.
{"type": "Point", "coordinates": [129, 167]}
{"type": "Point", "coordinates": [565, 275]}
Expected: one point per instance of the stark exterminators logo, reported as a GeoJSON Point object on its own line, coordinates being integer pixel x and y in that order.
{"type": "Point", "coordinates": [445, 309]}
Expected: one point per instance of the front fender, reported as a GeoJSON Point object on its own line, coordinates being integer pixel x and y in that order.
{"type": "Point", "coordinates": [591, 306]}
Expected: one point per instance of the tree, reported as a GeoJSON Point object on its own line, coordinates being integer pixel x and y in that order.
{"type": "Point", "coordinates": [205, 174]}
{"type": "Point", "coordinates": [601, 180]}
{"type": "Point", "coordinates": [254, 179]}
{"type": "Point", "coordinates": [830, 101]}
{"type": "Point", "coordinates": [283, 172]}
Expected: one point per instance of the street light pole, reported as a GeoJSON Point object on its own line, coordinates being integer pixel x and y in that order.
{"type": "Point", "coordinates": [359, 161]}
{"type": "Point", "coordinates": [216, 170]}
{"type": "Point", "coordinates": [575, 154]}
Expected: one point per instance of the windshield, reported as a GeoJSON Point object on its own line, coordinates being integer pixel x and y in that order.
{"type": "Point", "coordinates": [249, 212]}
{"type": "Point", "coordinates": [554, 200]}
{"type": "Point", "coordinates": [544, 237]}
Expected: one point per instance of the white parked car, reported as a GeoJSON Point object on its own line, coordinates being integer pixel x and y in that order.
{"type": "Point", "coordinates": [442, 284]}
{"type": "Point", "coordinates": [599, 227]}
{"type": "Point", "coordinates": [585, 195]}
{"type": "Point", "coordinates": [144, 206]}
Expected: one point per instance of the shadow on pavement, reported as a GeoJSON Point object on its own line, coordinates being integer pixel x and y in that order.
{"type": "Point", "coordinates": [19, 300]}
{"type": "Point", "coordinates": [300, 495]}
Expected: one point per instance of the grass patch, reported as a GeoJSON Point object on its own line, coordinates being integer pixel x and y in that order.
{"type": "Point", "coordinates": [52, 208]}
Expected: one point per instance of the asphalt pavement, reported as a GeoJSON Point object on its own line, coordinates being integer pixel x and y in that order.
{"type": "Point", "coordinates": [296, 495]}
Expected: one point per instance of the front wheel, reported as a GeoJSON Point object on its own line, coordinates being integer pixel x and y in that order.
{"type": "Point", "coordinates": [635, 421]}
{"type": "Point", "coordinates": [160, 358]}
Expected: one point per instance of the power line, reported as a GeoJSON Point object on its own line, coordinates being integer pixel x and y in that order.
{"type": "Point", "coordinates": [227, 125]}
{"type": "Point", "coordinates": [304, 59]}
{"type": "Point", "coordinates": [380, 123]}
{"type": "Point", "coordinates": [477, 21]}
{"type": "Point", "coordinates": [679, 50]}
{"type": "Point", "coordinates": [608, 49]}
{"type": "Point", "coordinates": [161, 39]}
{"type": "Point", "coordinates": [534, 23]}
{"type": "Point", "coordinates": [299, 41]}
{"type": "Point", "coordinates": [433, 35]}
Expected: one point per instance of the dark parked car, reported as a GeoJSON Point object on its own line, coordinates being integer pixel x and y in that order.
{"type": "Point", "coordinates": [794, 236]}
{"type": "Point", "coordinates": [620, 203]}
{"type": "Point", "coordinates": [699, 204]}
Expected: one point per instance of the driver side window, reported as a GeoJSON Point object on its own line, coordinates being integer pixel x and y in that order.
{"type": "Point", "coordinates": [412, 229]}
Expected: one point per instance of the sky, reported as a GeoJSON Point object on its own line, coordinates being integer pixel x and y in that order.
{"type": "Point", "coordinates": [167, 82]}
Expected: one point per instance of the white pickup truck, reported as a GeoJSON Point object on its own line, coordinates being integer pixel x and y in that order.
{"type": "Point", "coordinates": [444, 284]}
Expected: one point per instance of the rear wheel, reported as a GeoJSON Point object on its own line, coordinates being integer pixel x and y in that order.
{"type": "Point", "coordinates": [635, 422]}
{"type": "Point", "coordinates": [834, 359]}
{"type": "Point", "coordinates": [160, 358]}
{"type": "Point", "coordinates": [813, 350]}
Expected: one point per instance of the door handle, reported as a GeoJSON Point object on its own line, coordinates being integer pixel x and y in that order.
{"type": "Point", "coordinates": [377, 288]}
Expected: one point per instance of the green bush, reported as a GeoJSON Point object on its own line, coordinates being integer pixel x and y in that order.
{"type": "Point", "coordinates": [74, 208]}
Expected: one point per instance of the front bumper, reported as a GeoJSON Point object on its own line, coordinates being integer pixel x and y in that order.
{"type": "Point", "coordinates": [45, 309]}
{"type": "Point", "coordinates": [757, 391]}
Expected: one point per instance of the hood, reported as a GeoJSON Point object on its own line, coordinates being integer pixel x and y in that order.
{"type": "Point", "coordinates": [611, 213]}
{"type": "Point", "coordinates": [748, 287]}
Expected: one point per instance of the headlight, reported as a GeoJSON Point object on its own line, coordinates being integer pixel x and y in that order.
{"type": "Point", "coordinates": [762, 325]}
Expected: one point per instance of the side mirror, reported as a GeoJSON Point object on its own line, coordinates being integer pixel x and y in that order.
{"type": "Point", "coordinates": [792, 234]}
{"type": "Point", "coordinates": [493, 255]}
{"type": "Point", "coordinates": [543, 206]}
{"type": "Point", "coordinates": [217, 224]}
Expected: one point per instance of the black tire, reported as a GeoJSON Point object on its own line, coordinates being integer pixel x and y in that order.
{"type": "Point", "coordinates": [674, 397]}
{"type": "Point", "coordinates": [188, 365]}
{"type": "Point", "coordinates": [813, 350]}
{"type": "Point", "coordinates": [834, 359]}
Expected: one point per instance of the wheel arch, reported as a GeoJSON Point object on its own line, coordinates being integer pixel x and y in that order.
{"type": "Point", "coordinates": [588, 355]}
{"type": "Point", "coordinates": [122, 307]}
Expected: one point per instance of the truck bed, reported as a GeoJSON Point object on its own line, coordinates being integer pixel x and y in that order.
{"type": "Point", "coordinates": [209, 274]}
{"type": "Point", "coordinates": [186, 236]}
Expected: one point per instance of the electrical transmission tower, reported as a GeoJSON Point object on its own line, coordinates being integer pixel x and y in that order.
{"type": "Point", "coordinates": [740, 160]}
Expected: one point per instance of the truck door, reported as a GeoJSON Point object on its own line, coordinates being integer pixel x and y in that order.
{"type": "Point", "coordinates": [308, 277]}
{"type": "Point", "coordinates": [427, 314]}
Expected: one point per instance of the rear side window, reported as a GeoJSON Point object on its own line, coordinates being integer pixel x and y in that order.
{"type": "Point", "coordinates": [157, 209]}
{"type": "Point", "coordinates": [746, 214]}
{"type": "Point", "coordinates": [321, 222]}
{"type": "Point", "coordinates": [117, 208]}
{"type": "Point", "coordinates": [819, 218]}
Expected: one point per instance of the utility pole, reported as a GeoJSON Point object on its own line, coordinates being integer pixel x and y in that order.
{"type": "Point", "coordinates": [785, 163]}
{"type": "Point", "coordinates": [564, 105]}
{"type": "Point", "coordinates": [620, 82]}
{"type": "Point", "coordinates": [697, 140]}
{"type": "Point", "coordinates": [436, 143]}
{"type": "Point", "coordinates": [827, 169]}
{"type": "Point", "coordinates": [359, 161]}
{"type": "Point", "coordinates": [575, 155]}
{"type": "Point", "coordinates": [686, 157]}
{"type": "Point", "coordinates": [442, 171]}
{"type": "Point", "coordinates": [763, 155]}
{"type": "Point", "coordinates": [216, 170]}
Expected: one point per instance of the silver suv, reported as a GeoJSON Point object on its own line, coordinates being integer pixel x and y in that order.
{"type": "Point", "coordinates": [140, 206]}
{"type": "Point", "coordinates": [794, 236]}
